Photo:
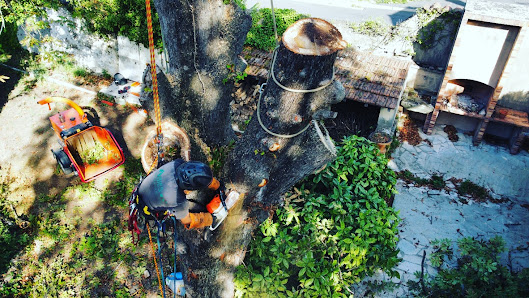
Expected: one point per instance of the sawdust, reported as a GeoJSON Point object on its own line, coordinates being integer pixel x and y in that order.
{"type": "Point", "coordinates": [452, 133]}
{"type": "Point", "coordinates": [409, 132]}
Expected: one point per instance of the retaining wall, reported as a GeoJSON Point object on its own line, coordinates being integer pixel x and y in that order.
{"type": "Point", "coordinates": [93, 52]}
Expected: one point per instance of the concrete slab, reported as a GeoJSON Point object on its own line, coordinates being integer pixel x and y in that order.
{"type": "Point", "coordinates": [435, 214]}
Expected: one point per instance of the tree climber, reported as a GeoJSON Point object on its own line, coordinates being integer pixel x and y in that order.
{"type": "Point", "coordinates": [162, 194]}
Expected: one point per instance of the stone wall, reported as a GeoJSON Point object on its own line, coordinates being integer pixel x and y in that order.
{"type": "Point", "coordinates": [424, 78]}
{"type": "Point", "coordinates": [67, 34]}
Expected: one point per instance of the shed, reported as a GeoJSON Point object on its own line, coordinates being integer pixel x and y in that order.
{"type": "Point", "coordinates": [373, 80]}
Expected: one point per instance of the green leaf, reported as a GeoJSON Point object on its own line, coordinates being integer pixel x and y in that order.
{"type": "Point", "coordinates": [301, 272]}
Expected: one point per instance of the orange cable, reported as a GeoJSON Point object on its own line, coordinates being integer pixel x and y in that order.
{"type": "Point", "coordinates": [154, 256]}
{"type": "Point", "coordinates": [157, 114]}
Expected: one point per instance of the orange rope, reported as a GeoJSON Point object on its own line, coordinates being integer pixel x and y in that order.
{"type": "Point", "coordinates": [157, 114]}
{"type": "Point", "coordinates": [153, 165]}
{"type": "Point", "coordinates": [154, 256]}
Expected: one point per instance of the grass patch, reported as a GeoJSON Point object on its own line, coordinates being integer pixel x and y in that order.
{"type": "Point", "coordinates": [372, 27]}
{"type": "Point", "coordinates": [80, 72]}
{"type": "Point", "coordinates": [477, 192]}
{"type": "Point", "coordinates": [435, 182]}
{"type": "Point", "coordinates": [68, 254]}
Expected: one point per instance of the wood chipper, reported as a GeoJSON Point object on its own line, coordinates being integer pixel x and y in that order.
{"type": "Point", "coordinates": [88, 150]}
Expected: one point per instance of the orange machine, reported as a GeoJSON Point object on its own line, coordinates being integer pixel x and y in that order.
{"type": "Point", "coordinates": [89, 151]}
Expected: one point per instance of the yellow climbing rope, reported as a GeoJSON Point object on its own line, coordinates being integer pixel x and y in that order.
{"type": "Point", "coordinates": [157, 115]}
{"type": "Point", "coordinates": [154, 257]}
{"type": "Point", "coordinates": [158, 120]}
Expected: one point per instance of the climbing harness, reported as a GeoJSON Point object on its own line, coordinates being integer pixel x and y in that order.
{"type": "Point", "coordinates": [271, 74]}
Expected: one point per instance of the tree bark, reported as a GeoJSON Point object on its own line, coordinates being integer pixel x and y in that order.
{"type": "Point", "coordinates": [202, 37]}
{"type": "Point", "coordinates": [263, 166]}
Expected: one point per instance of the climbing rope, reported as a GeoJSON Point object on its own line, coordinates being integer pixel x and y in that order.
{"type": "Point", "coordinates": [160, 229]}
{"type": "Point", "coordinates": [159, 135]}
{"type": "Point", "coordinates": [157, 114]}
{"type": "Point", "coordinates": [154, 256]}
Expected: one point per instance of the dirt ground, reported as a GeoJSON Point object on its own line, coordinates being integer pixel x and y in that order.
{"type": "Point", "coordinates": [27, 137]}
{"type": "Point", "coordinates": [36, 183]}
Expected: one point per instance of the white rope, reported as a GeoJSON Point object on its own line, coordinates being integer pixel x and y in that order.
{"type": "Point", "coordinates": [3, 23]}
{"type": "Point", "coordinates": [264, 127]}
{"type": "Point", "coordinates": [326, 140]}
{"type": "Point", "coordinates": [274, 20]}
{"type": "Point", "coordinates": [296, 90]}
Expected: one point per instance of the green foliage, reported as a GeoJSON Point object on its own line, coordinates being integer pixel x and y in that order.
{"type": "Point", "coordinates": [9, 44]}
{"type": "Point", "coordinates": [106, 75]}
{"type": "Point", "coordinates": [80, 72]}
{"type": "Point", "coordinates": [432, 23]}
{"type": "Point", "coordinates": [240, 3]}
{"type": "Point", "coordinates": [119, 191]}
{"type": "Point", "coordinates": [395, 143]}
{"type": "Point", "coordinates": [469, 188]}
{"type": "Point", "coordinates": [218, 157]}
{"type": "Point", "coordinates": [102, 241]}
{"type": "Point", "coordinates": [261, 33]}
{"type": "Point", "coordinates": [12, 237]}
{"type": "Point", "coordinates": [372, 27]}
{"type": "Point", "coordinates": [477, 273]}
{"type": "Point", "coordinates": [118, 17]}
{"type": "Point", "coordinates": [234, 75]}
{"type": "Point", "coordinates": [104, 17]}
{"type": "Point", "coordinates": [101, 96]}
{"type": "Point", "coordinates": [435, 182]}
{"type": "Point", "coordinates": [331, 232]}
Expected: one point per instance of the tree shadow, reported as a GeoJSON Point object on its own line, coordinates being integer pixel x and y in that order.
{"type": "Point", "coordinates": [10, 83]}
{"type": "Point", "coordinates": [402, 15]}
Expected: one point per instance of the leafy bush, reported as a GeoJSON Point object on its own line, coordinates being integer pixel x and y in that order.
{"type": "Point", "coordinates": [477, 272]}
{"type": "Point", "coordinates": [104, 17]}
{"type": "Point", "coordinates": [332, 231]}
{"type": "Point", "coordinates": [261, 33]}
{"type": "Point", "coordinates": [118, 17]}
{"type": "Point", "coordinates": [433, 23]}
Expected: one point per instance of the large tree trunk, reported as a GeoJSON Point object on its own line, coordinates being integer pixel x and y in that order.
{"type": "Point", "coordinates": [304, 61]}
{"type": "Point", "coordinates": [202, 37]}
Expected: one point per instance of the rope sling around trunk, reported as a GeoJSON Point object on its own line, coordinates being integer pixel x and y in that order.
{"type": "Point", "coordinates": [324, 139]}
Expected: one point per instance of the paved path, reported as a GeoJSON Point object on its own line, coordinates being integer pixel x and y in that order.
{"type": "Point", "coordinates": [355, 10]}
{"type": "Point", "coordinates": [430, 214]}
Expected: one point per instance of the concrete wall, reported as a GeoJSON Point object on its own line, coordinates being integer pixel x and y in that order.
{"type": "Point", "coordinates": [482, 51]}
{"type": "Point", "coordinates": [438, 53]}
{"type": "Point", "coordinates": [424, 79]}
{"type": "Point", "coordinates": [515, 93]}
{"type": "Point", "coordinates": [93, 52]}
